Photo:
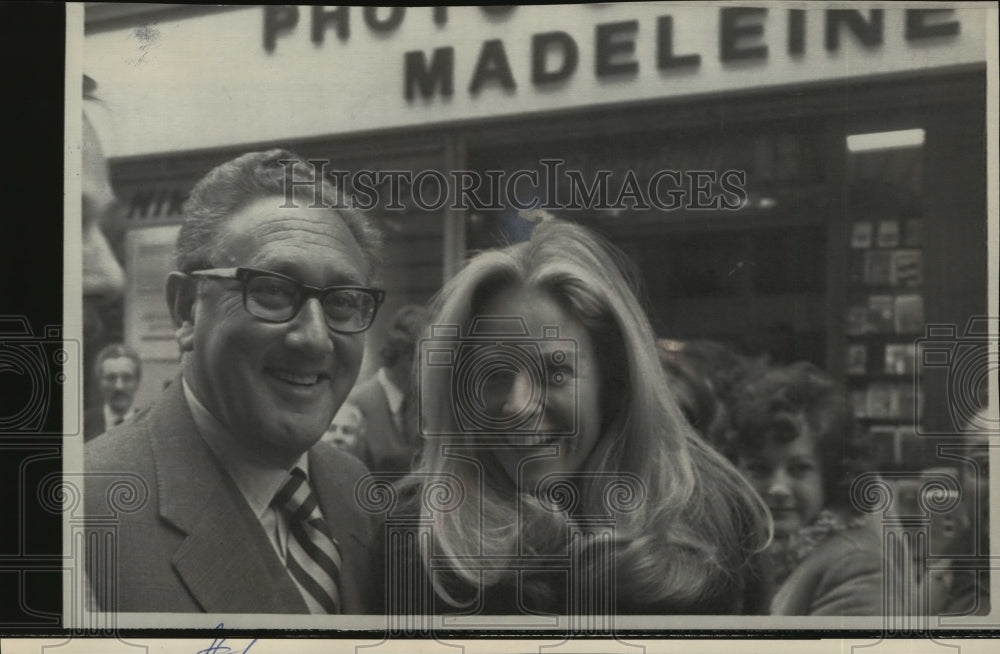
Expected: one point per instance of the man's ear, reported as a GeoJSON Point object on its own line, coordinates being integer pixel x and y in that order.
{"type": "Point", "coordinates": [181, 297]}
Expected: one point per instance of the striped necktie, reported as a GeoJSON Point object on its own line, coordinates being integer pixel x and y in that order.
{"type": "Point", "coordinates": [313, 558]}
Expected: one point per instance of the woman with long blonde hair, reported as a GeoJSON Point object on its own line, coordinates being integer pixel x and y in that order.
{"type": "Point", "coordinates": [574, 483]}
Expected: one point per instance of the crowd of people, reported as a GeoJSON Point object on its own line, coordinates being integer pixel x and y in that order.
{"type": "Point", "coordinates": [587, 466]}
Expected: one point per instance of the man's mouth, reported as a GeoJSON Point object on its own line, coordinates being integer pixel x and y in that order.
{"type": "Point", "coordinates": [297, 378]}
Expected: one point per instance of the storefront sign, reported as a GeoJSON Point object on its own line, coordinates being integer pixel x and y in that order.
{"type": "Point", "coordinates": [279, 73]}
{"type": "Point", "coordinates": [555, 55]}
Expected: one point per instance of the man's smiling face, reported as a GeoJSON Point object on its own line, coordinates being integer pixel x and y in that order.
{"type": "Point", "coordinates": [275, 386]}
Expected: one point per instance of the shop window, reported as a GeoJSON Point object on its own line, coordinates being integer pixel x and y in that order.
{"type": "Point", "coordinates": [885, 298]}
{"type": "Point", "coordinates": [744, 262]}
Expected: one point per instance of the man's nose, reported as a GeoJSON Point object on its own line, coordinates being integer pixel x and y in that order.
{"type": "Point", "coordinates": [102, 276]}
{"type": "Point", "coordinates": [309, 330]}
{"type": "Point", "coordinates": [119, 383]}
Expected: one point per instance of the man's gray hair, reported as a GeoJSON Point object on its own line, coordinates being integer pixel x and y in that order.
{"type": "Point", "coordinates": [231, 186]}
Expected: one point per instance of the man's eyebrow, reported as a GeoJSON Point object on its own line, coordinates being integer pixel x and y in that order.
{"type": "Point", "coordinates": [295, 271]}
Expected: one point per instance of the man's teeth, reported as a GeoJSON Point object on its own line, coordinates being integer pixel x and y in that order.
{"type": "Point", "coordinates": [295, 378]}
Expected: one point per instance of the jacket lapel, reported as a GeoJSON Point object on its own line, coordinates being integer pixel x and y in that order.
{"type": "Point", "coordinates": [226, 561]}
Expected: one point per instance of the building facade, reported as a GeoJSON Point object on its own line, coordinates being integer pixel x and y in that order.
{"type": "Point", "coordinates": [805, 184]}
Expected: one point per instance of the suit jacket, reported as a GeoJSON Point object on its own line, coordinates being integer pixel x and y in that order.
{"type": "Point", "coordinates": [842, 576]}
{"type": "Point", "coordinates": [94, 423]}
{"type": "Point", "coordinates": [388, 449]}
{"type": "Point", "coordinates": [194, 544]}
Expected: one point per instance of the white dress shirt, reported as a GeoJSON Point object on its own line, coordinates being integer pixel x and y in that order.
{"type": "Point", "coordinates": [111, 417]}
{"type": "Point", "coordinates": [394, 396]}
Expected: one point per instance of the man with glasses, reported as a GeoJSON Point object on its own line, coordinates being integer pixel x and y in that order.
{"type": "Point", "coordinates": [247, 511]}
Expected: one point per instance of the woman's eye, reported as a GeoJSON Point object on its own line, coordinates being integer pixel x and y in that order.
{"type": "Point", "coordinates": [801, 469]}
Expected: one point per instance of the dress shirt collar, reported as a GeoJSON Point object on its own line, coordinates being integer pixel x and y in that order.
{"type": "Point", "coordinates": [111, 417]}
{"type": "Point", "coordinates": [392, 392]}
{"type": "Point", "coordinates": [258, 481]}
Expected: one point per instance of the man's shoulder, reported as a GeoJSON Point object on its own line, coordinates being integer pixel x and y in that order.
{"type": "Point", "coordinates": [119, 474]}
{"type": "Point", "coordinates": [129, 447]}
{"type": "Point", "coordinates": [121, 445]}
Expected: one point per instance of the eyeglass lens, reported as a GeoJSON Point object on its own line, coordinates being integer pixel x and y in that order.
{"type": "Point", "coordinates": [277, 299]}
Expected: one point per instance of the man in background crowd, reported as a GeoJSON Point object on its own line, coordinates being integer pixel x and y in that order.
{"type": "Point", "coordinates": [384, 398]}
{"type": "Point", "coordinates": [117, 372]}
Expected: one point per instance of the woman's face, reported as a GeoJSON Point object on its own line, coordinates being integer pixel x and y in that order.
{"type": "Point", "coordinates": [556, 405]}
{"type": "Point", "coordinates": [789, 478]}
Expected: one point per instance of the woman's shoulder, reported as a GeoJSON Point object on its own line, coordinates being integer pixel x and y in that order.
{"type": "Point", "coordinates": [861, 540]}
{"type": "Point", "coordinates": [853, 551]}
{"type": "Point", "coordinates": [842, 576]}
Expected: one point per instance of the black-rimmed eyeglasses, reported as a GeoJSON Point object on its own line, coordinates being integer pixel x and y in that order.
{"type": "Point", "coordinates": [277, 298]}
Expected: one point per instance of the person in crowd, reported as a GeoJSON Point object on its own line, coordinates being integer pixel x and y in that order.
{"type": "Point", "coordinates": [797, 442]}
{"type": "Point", "coordinates": [542, 409]}
{"type": "Point", "coordinates": [703, 374]}
{"type": "Point", "coordinates": [103, 280]}
{"type": "Point", "coordinates": [347, 430]}
{"type": "Point", "coordinates": [389, 441]}
{"type": "Point", "coordinates": [968, 589]}
{"type": "Point", "coordinates": [117, 372]}
{"type": "Point", "coordinates": [247, 511]}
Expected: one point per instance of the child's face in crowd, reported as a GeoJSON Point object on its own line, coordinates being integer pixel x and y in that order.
{"type": "Point", "coordinates": [789, 478]}
{"type": "Point", "coordinates": [563, 392]}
